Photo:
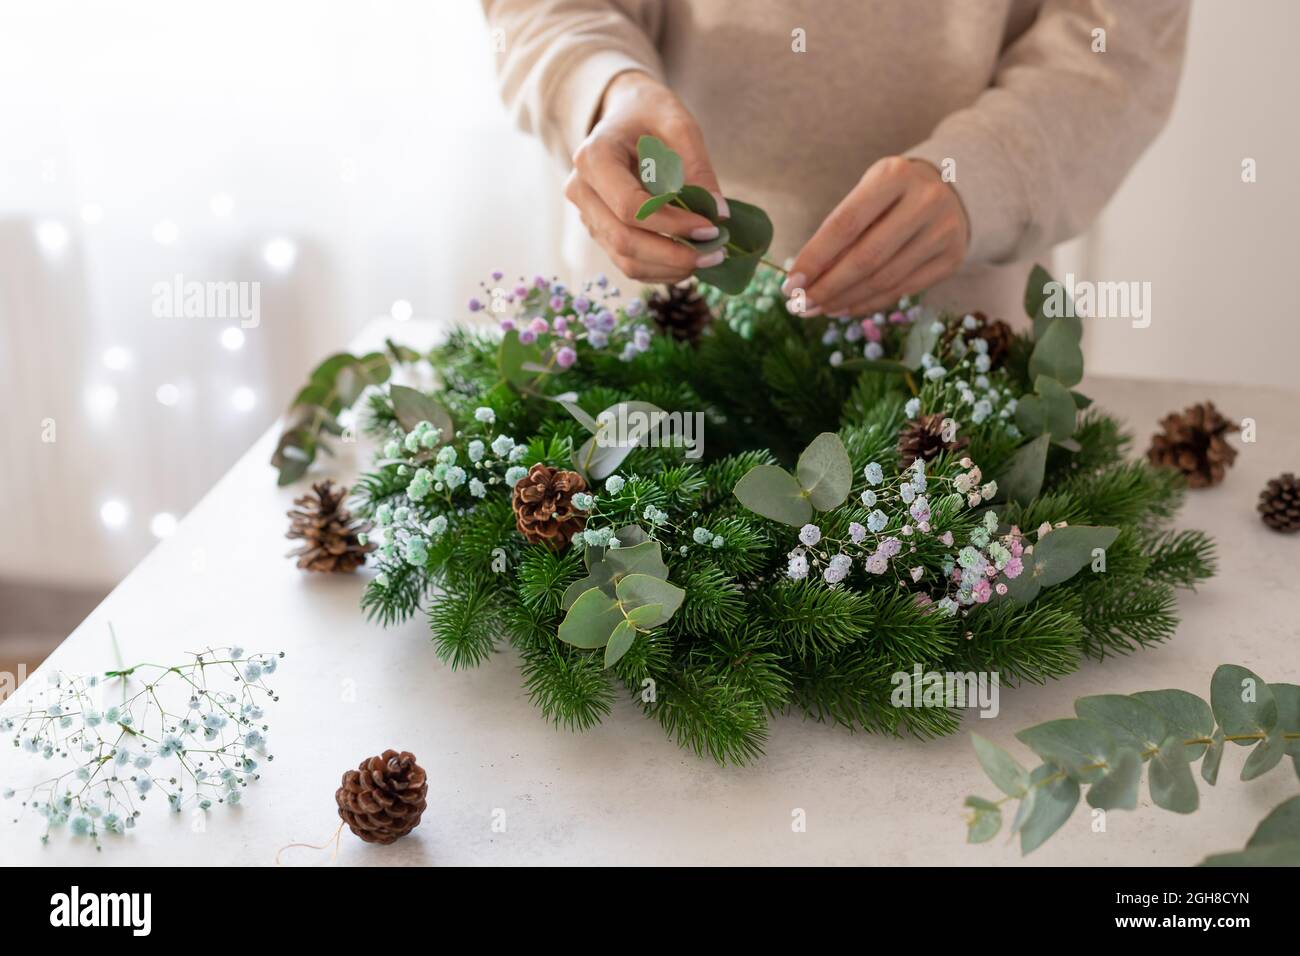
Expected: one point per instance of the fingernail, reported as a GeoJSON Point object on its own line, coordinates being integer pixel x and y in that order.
{"type": "Point", "coordinates": [705, 233]}
{"type": "Point", "coordinates": [792, 282]}
{"type": "Point", "coordinates": [808, 310]}
{"type": "Point", "coordinates": [712, 259]}
{"type": "Point", "coordinates": [724, 211]}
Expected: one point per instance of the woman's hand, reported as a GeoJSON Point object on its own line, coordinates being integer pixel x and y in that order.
{"type": "Point", "coordinates": [605, 187]}
{"type": "Point", "coordinates": [900, 230]}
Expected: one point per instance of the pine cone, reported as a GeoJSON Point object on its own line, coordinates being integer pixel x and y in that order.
{"type": "Point", "coordinates": [923, 438]}
{"type": "Point", "coordinates": [543, 504]}
{"type": "Point", "coordinates": [1279, 504]}
{"type": "Point", "coordinates": [995, 332]}
{"type": "Point", "coordinates": [681, 311]}
{"type": "Point", "coordinates": [384, 797]}
{"type": "Point", "coordinates": [1194, 442]}
{"type": "Point", "coordinates": [332, 538]}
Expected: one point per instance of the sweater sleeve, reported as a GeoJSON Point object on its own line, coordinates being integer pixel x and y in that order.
{"type": "Point", "coordinates": [1044, 147]}
{"type": "Point", "coordinates": [555, 58]}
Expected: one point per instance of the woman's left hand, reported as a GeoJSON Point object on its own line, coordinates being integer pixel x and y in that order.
{"type": "Point", "coordinates": [900, 230]}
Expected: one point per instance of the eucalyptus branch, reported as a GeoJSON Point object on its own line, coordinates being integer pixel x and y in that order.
{"type": "Point", "coordinates": [1105, 746]}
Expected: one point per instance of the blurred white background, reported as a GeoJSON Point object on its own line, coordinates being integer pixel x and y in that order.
{"type": "Point", "coordinates": [352, 157]}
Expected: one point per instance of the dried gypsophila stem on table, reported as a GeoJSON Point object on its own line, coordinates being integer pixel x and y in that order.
{"type": "Point", "coordinates": [123, 752]}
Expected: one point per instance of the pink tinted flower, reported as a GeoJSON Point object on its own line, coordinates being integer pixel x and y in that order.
{"type": "Point", "coordinates": [1000, 588]}
{"type": "Point", "coordinates": [1014, 567]}
{"type": "Point", "coordinates": [528, 336]}
{"type": "Point", "coordinates": [896, 317]}
{"type": "Point", "coordinates": [565, 357]}
{"type": "Point", "coordinates": [521, 291]}
{"type": "Point", "coordinates": [871, 331]}
{"type": "Point", "coordinates": [946, 538]}
{"type": "Point", "coordinates": [560, 324]}
{"type": "Point", "coordinates": [917, 572]}
{"type": "Point", "coordinates": [982, 592]}
{"type": "Point", "coordinates": [539, 326]}
{"type": "Point", "coordinates": [877, 563]}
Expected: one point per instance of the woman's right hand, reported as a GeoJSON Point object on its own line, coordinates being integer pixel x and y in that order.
{"type": "Point", "coordinates": [605, 186]}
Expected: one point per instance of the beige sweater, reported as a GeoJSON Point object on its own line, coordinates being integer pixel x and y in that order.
{"type": "Point", "coordinates": [1041, 127]}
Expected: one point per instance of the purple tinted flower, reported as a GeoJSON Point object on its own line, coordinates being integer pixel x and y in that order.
{"type": "Point", "coordinates": [565, 357]}
{"type": "Point", "coordinates": [605, 320]}
{"type": "Point", "coordinates": [521, 291]}
{"type": "Point", "coordinates": [496, 275]}
{"type": "Point", "coordinates": [581, 304]}
{"type": "Point", "coordinates": [539, 326]}
{"type": "Point", "coordinates": [641, 337]}
{"type": "Point", "coordinates": [635, 307]}
{"type": "Point", "coordinates": [560, 324]}
{"type": "Point", "coordinates": [507, 325]}
{"type": "Point", "coordinates": [540, 282]}
{"type": "Point", "coordinates": [557, 303]}
{"type": "Point", "coordinates": [528, 336]}
{"type": "Point", "coordinates": [877, 564]}
{"type": "Point", "coordinates": [597, 339]}
{"type": "Point", "coordinates": [857, 532]}
{"type": "Point", "coordinates": [475, 305]}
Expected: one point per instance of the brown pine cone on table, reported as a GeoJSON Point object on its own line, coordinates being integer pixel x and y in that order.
{"type": "Point", "coordinates": [543, 505]}
{"type": "Point", "coordinates": [1194, 441]}
{"type": "Point", "coordinates": [331, 539]}
{"type": "Point", "coordinates": [923, 438]}
{"type": "Point", "coordinates": [383, 798]}
{"type": "Point", "coordinates": [1279, 504]}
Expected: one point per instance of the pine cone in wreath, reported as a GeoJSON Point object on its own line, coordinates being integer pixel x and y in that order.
{"type": "Point", "coordinates": [923, 438]}
{"type": "Point", "coordinates": [997, 334]}
{"type": "Point", "coordinates": [1194, 442]}
{"type": "Point", "coordinates": [680, 311]}
{"type": "Point", "coordinates": [543, 504]}
{"type": "Point", "coordinates": [384, 797]}
{"type": "Point", "coordinates": [331, 538]}
{"type": "Point", "coordinates": [1279, 504]}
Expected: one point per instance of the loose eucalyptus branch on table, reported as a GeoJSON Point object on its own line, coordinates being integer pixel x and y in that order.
{"type": "Point", "coordinates": [1113, 735]}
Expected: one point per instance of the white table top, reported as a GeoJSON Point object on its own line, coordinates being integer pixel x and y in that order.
{"type": "Point", "coordinates": [622, 792]}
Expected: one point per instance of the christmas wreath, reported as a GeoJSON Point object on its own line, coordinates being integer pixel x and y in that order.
{"type": "Point", "coordinates": [728, 512]}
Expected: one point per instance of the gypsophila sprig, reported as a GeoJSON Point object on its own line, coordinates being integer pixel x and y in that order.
{"type": "Point", "coordinates": [191, 735]}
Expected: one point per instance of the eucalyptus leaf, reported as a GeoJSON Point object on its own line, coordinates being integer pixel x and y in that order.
{"type": "Point", "coordinates": [643, 618]}
{"type": "Point", "coordinates": [1172, 785]}
{"type": "Point", "coordinates": [602, 454]}
{"type": "Point", "coordinates": [774, 493]}
{"type": "Point", "coordinates": [1058, 557]}
{"type": "Point", "coordinates": [644, 590]}
{"type": "Point", "coordinates": [1022, 480]}
{"type": "Point", "coordinates": [921, 340]}
{"type": "Point", "coordinates": [659, 168]}
{"type": "Point", "coordinates": [620, 641]}
{"type": "Point", "coordinates": [1184, 713]}
{"type": "Point", "coordinates": [1130, 721]}
{"type": "Point", "coordinates": [1282, 825]}
{"type": "Point", "coordinates": [1055, 797]}
{"type": "Point", "coordinates": [1288, 713]}
{"type": "Point", "coordinates": [521, 363]}
{"type": "Point", "coordinates": [1266, 755]}
{"type": "Point", "coordinates": [1242, 703]}
{"type": "Point", "coordinates": [1059, 413]}
{"type": "Point", "coordinates": [985, 821]}
{"type": "Point", "coordinates": [1082, 748]}
{"type": "Point", "coordinates": [699, 201]}
{"type": "Point", "coordinates": [1118, 789]}
{"type": "Point", "coordinates": [1036, 290]}
{"type": "Point", "coordinates": [1057, 355]}
{"type": "Point", "coordinates": [751, 234]}
{"type": "Point", "coordinates": [825, 472]}
{"type": "Point", "coordinates": [591, 620]}
{"type": "Point", "coordinates": [604, 573]}
{"type": "Point", "coordinates": [653, 205]}
{"type": "Point", "coordinates": [1213, 757]}
{"type": "Point", "coordinates": [1002, 768]}
{"type": "Point", "coordinates": [412, 407]}
{"type": "Point", "coordinates": [1272, 854]}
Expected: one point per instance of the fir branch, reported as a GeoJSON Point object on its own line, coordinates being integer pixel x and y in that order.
{"type": "Point", "coordinates": [465, 622]}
